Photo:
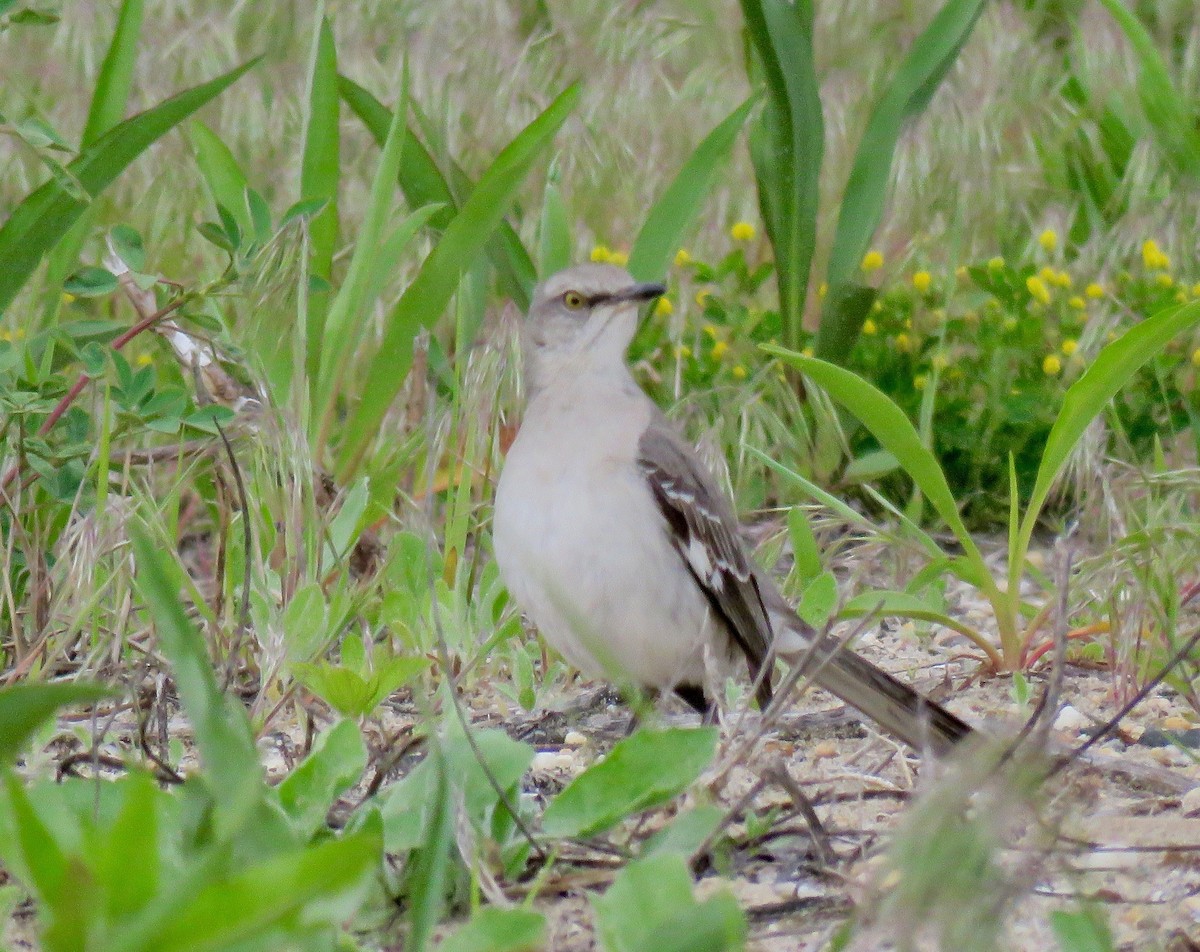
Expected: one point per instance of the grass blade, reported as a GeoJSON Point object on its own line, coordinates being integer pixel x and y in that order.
{"type": "Point", "coordinates": [109, 100]}
{"type": "Point", "coordinates": [222, 732]}
{"type": "Point", "coordinates": [554, 228]}
{"type": "Point", "coordinates": [787, 145]}
{"type": "Point", "coordinates": [1168, 112]}
{"type": "Point", "coordinates": [679, 205]}
{"type": "Point", "coordinates": [46, 214]}
{"type": "Point", "coordinates": [895, 433]}
{"type": "Point", "coordinates": [221, 172]}
{"type": "Point", "coordinates": [24, 707]}
{"type": "Point", "coordinates": [319, 174]}
{"type": "Point", "coordinates": [430, 291]}
{"type": "Point", "coordinates": [915, 82]}
{"type": "Point", "coordinates": [424, 184]}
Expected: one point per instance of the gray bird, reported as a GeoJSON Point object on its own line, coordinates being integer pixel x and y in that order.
{"type": "Point", "coordinates": [616, 542]}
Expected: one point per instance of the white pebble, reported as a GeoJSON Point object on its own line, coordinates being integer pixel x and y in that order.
{"type": "Point", "coordinates": [1070, 719]}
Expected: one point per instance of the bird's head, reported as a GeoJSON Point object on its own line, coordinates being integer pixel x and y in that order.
{"type": "Point", "coordinates": [582, 318]}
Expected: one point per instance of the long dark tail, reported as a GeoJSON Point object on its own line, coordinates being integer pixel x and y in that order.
{"type": "Point", "coordinates": [892, 704]}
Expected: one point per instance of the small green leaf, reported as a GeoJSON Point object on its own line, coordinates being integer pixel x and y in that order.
{"type": "Point", "coordinates": [24, 707]}
{"type": "Point", "coordinates": [1083, 930]}
{"type": "Point", "coordinates": [91, 282]}
{"type": "Point", "coordinates": [819, 600]}
{"type": "Point", "coordinates": [498, 930]}
{"type": "Point", "coordinates": [337, 761]}
{"type": "Point", "coordinates": [640, 772]}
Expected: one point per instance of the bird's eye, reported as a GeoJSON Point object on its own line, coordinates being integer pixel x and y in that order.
{"type": "Point", "coordinates": [574, 301]}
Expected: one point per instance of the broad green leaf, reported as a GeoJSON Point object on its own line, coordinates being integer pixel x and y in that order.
{"type": "Point", "coordinates": [677, 207]}
{"type": "Point", "coordinates": [25, 707]}
{"type": "Point", "coordinates": [91, 282]}
{"type": "Point", "coordinates": [430, 291]}
{"type": "Point", "coordinates": [787, 144]}
{"type": "Point", "coordinates": [110, 95]}
{"type": "Point", "coordinates": [499, 930]}
{"type": "Point", "coordinates": [650, 908]}
{"type": "Point", "coordinates": [128, 245]}
{"type": "Point", "coordinates": [43, 857]}
{"type": "Point", "coordinates": [319, 173]}
{"type": "Point", "coordinates": [921, 72]}
{"type": "Point", "coordinates": [889, 425]}
{"type": "Point", "coordinates": [424, 184]}
{"type": "Point", "coordinates": [819, 600]}
{"type": "Point", "coordinates": [428, 870]}
{"type": "Point", "coordinates": [46, 214]}
{"type": "Point", "coordinates": [223, 176]}
{"type": "Point", "coordinates": [1082, 930]}
{"type": "Point", "coordinates": [846, 307]}
{"type": "Point", "coordinates": [337, 761]}
{"type": "Point", "coordinates": [1113, 367]}
{"type": "Point", "coordinates": [805, 550]}
{"type": "Point", "coordinates": [903, 605]}
{"type": "Point", "coordinates": [219, 723]}
{"type": "Point", "coordinates": [127, 866]}
{"type": "Point", "coordinates": [687, 832]}
{"type": "Point", "coordinates": [642, 771]}
{"type": "Point", "coordinates": [227, 911]}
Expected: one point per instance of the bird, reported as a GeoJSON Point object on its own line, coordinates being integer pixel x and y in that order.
{"type": "Point", "coordinates": [616, 542]}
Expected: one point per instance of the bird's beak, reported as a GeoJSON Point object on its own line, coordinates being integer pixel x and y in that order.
{"type": "Point", "coordinates": [639, 293]}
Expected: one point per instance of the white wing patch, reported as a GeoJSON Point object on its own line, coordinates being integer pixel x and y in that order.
{"type": "Point", "coordinates": [699, 557]}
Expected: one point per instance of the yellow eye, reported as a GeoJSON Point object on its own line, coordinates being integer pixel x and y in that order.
{"type": "Point", "coordinates": [574, 300]}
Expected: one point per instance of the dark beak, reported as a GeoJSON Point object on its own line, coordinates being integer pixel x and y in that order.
{"type": "Point", "coordinates": [647, 291]}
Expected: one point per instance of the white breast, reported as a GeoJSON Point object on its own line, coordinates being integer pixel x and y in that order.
{"type": "Point", "coordinates": [583, 549]}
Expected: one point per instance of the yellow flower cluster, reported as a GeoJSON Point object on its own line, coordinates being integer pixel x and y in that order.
{"type": "Point", "coordinates": [1037, 289]}
{"type": "Point", "coordinates": [682, 258]}
{"type": "Point", "coordinates": [1054, 277]}
{"type": "Point", "coordinates": [1051, 366]}
{"type": "Point", "coordinates": [922, 281]}
{"type": "Point", "coordinates": [872, 261]}
{"type": "Point", "coordinates": [1153, 257]}
{"type": "Point", "coordinates": [605, 255]}
{"type": "Point", "coordinates": [1048, 239]}
{"type": "Point", "coordinates": [664, 307]}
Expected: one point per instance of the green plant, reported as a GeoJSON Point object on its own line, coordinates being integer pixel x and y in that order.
{"type": "Point", "coordinates": [787, 144]}
{"type": "Point", "coordinates": [1113, 367]}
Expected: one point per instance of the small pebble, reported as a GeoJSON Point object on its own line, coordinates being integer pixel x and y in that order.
{"type": "Point", "coordinates": [574, 739]}
{"type": "Point", "coordinates": [1175, 723]}
{"type": "Point", "coordinates": [544, 761]}
{"type": "Point", "coordinates": [826, 748]}
{"type": "Point", "coordinates": [1070, 719]}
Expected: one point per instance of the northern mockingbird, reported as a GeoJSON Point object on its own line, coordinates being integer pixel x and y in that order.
{"type": "Point", "coordinates": [614, 539]}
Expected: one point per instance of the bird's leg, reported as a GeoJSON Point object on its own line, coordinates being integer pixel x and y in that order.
{"type": "Point", "coordinates": [696, 699]}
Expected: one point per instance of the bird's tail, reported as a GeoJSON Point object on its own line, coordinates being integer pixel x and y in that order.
{"type": "Point", "coordinates": [891, 703]}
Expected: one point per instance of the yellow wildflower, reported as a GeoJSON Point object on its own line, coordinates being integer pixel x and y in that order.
{"type": "Point", "coordinates": [921, 281]}
{"type": "Point", "coordinates": [869, 327]}
{"type": "Point", "coordinates": [719, 349]}
{"type": "Point", "coordinates": [6, 334]}
{"type": "Point", "coordinates": [67, 297]}
{"type": "Point", "coordinates": [1094, 290]}
{"type": "Point", "coordinates": [1077, 302]}
{"type": "Point", "coordinates": [808, 351]}
{"type": "Point", "coordinates": [1048, 239]}
{"type": "Point", "coordinates": [664, 307]}
{"type": "Point", "coordinates": [682, 257]}
{"type": "Point", "coordinates": [1069, 346]}
{"type": "Point", "coordinates": [961, 272]}
{"type": "Point", "coordinates": [1196, 290]}
{"type": "Point", "coordinates": [1196, 357]}
{"type": "Point", "coordinates": [1037, 289]}
{"type": "Point", "coordinates": [601, 253]}
{"type": "Point", "coordinates": [996, 263]}
{"type": "Point", "coordinates": [903, 343]}
{"type": "Point", "coordinates": [742, 231]}
{"type": "Point", "coordinates": [1164, 281]}
{"type": "Point", "coordinates": [1049, 275]}
{"type": "Point", "coordinates": [144, 360]}
{"type": "Point", "coordinates": [683, 351]}
{"type": "Point", "coordinates": [702, 297]}
{"type": "Point", "coordinates": [619, 258]}
{"type": "Point", "coordinates": [739, 372]}
{"type": "Point", "coordinates": [878, 305]}
{"type": "Point", "coordinates": [919, 382]}
{"type": "Point", "coordinates": [711, 331]}
{"type": "Point", "coordinates": [1063, 279]}
{"type": "Point", "coordinates": [872, 261]}
{"type": "Point", "coordinates": [1051, 366]}
{"type": "Point", "coordinates": [823, 289]}
{"type": "Point", "coordinates": [1153, 257]}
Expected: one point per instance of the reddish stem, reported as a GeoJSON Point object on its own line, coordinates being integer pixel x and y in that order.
{"type": "Point", "coordinates": [1097, 629]}
{"type": "Point", "coordinates": [71, 395]}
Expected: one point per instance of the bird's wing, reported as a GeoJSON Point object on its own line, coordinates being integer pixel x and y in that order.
{"type": "Point", "coordinates": [705, 534]}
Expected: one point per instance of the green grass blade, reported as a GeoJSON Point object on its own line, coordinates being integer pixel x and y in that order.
{"type": "Point", "coordinates": [424, 184]}
{"type": "Point", "coordinates": [221, 730]}
{"type": "Point", "coordinates": [46, 214]}
{"type": "Point", "coordinates": [915, 82]}
{"type": "Point", "coordinates": [787, 146]}
{"type": "Point", "coordinates": [223, 176]}
{"type": "Point", "coordinates": [895, 433]}
{"type": "Point", "coordinates": [319, 174]}
{"type": "Point", "coordinates": [347, 314]}
{"type": "Point", "coordinates": [1113, 367]}
{"type": "Point", "coordinates": [109, 100]}
{"type": "Point", "coordinates": [678, 206]}
{"type": "Point", "coordinates": [430, 291]}
{"type": "Point", "coordinates": [554, 228]}
{"type": "Point", "coordinates": [1169, 113]}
